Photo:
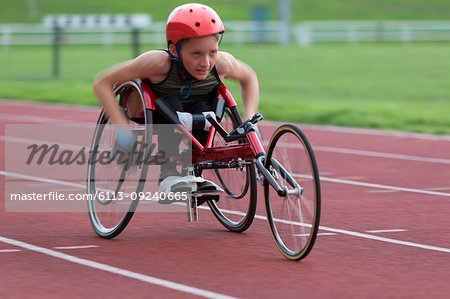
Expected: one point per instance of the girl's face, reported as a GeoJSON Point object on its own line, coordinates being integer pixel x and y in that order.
{"type": "Point", "coordinates": [199, 55]}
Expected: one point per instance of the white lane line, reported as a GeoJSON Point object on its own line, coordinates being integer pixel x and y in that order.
{"type": "Point", "coordinates": [39, 142]}
{"type": "Point", "coordinates": [40, 179]}
{"type": "Point", "coordinates": [49, 106]}
{"type": "Point", "coordinates": [379, 186]}
{"type": "Point", "coordinates": [34, 119]}
{"type": "Point", "coordinates": [75, 247]}
{"type": "Point", "coordinates": [373, 132]}
{"type": "Point", "coordinates": [111, 269]}
{"type": "Point", "coordinates": [9, 250]}
{"type": "Point", "coordinates": [386, 230]}
{"type": "Point", "coordinates": [439, 188]}
{"type": "Point", "coordinates": [388, 240]}
{"type": "Point", "coordinates": [379, 154]}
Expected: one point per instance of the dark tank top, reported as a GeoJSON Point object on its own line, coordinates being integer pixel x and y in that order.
{"type": "Point", "coordinates": [200, 90]}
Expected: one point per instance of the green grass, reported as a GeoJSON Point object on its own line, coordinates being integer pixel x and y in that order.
{"type": "Point", "coordinates": [387, 86]}
{"type": "Point", "coordinates": [33, 10]}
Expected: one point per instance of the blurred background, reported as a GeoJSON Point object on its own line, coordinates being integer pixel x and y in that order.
{"type": "Point", "coordinates": [359, 63]}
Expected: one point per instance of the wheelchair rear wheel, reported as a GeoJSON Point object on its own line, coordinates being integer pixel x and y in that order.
{"type": "Point", "coordinates": [114, 183]}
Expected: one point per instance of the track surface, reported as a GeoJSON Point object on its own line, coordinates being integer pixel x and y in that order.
{"type": "Point", "coordinates": [385, 231]}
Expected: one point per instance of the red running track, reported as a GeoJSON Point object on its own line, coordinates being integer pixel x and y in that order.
{"type": "Point", "coordinates": [385, 231]}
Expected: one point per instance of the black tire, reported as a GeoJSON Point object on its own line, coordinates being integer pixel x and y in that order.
{"type": "Point", "coordinates": [293, 219]}
{"type": "Point", "coordinates": [115, 180]}
{"type": "Point", "coordinates": [236, 207]}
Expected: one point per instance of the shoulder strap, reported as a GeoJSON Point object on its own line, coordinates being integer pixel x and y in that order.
{"type": "Point", "coordinates": [216, 74]}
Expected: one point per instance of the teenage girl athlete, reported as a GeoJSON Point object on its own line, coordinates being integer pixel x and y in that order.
{"type": "Point", "coordinates": [184, 76]}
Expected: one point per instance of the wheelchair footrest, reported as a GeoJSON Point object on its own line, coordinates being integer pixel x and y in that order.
{"type": "Point", "coordinates": [192, 208]}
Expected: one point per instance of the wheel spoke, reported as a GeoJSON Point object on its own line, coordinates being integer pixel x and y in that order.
{"type": "Point", "coordinates": [294, 242]}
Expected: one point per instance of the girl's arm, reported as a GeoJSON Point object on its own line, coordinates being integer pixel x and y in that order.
{"type": "Point", "coordinates": [231, 68]}
{"type": "Point", "coordinates": [149, 65]}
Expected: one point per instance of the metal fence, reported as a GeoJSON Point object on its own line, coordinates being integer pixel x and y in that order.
{"type": "Point", "coordinates": [304, 33]}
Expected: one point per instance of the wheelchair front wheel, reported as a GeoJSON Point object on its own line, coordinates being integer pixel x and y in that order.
{"type": "Point", "coordinates": [294, 218]}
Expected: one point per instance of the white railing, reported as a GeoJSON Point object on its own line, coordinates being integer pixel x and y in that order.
{"type": "Point", "coordinates": [304, 33]}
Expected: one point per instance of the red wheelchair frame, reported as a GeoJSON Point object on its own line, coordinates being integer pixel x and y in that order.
{"type": "Point", "coordinates": [209, 153]}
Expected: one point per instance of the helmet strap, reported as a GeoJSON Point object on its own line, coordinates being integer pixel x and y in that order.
{"type": "Point", "coordinates": [183, 72]}
{"type": "Point", "coordinates": [179, 59]}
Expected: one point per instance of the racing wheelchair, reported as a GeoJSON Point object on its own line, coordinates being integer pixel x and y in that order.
{"type": "Point", "coordinates": [233, 158]}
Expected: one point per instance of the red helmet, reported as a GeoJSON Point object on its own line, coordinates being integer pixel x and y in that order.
{"type": "Point", "coordinates": [192, 20]}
